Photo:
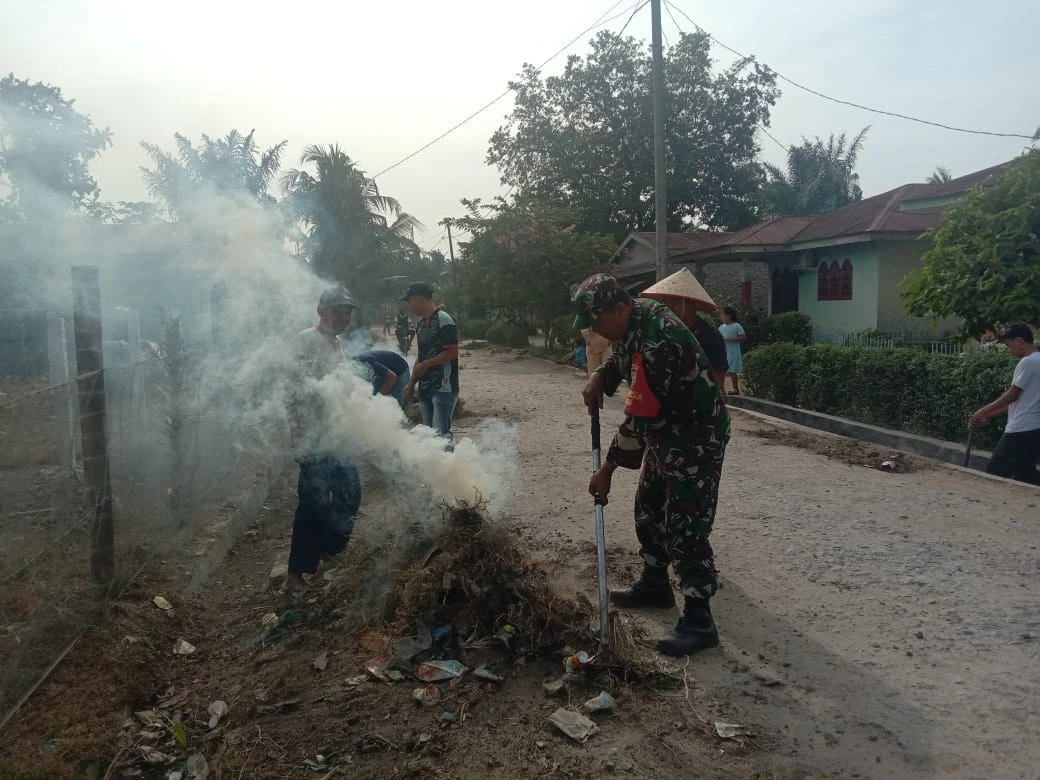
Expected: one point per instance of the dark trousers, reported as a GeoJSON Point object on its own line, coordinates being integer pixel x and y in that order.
{"type": "Point", "coordinates": [1016, 455]}
{"type": "Point", "coordinates": [330, 495]}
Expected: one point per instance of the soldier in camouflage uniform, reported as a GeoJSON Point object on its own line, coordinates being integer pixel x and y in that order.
{"type": "Point", "coordinates": [676, 428]}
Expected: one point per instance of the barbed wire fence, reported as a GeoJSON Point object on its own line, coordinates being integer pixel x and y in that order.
{"type": "Point", "coordinates": [102, 469]}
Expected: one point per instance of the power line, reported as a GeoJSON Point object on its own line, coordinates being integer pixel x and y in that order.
{"type": "Point", "coordinates": [598, 23]}
{"type": "Point", "coordinates": [849, 102]}
{"type": "Point", "coordinates": [783, 146]}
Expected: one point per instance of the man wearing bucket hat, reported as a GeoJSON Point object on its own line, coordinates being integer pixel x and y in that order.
{"type": "Point", "coordinates": [676, 428]}
{"type": "Point", "coordinates": [684, 295]}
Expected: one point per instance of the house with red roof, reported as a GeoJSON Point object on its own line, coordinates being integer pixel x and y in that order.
{"type": "Point", "coordinates": [841, 268]}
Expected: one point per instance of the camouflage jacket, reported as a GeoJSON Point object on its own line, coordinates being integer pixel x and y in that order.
{"type": "Point", "coordinates": [672, 403]}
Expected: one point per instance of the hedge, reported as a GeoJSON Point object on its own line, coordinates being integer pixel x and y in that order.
{"type": "Point", "coordinates": [507, 335]}
{"type": "Point", "coordinates": [903, 389]}
{"type": "Point", "coordinates": [791, 327]}
{"type": "Point", "coordinates": [474, 329]}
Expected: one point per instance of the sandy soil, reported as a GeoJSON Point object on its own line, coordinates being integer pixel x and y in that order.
{"type": "Point", "coordinates": [873, 625]}
{"type": "Point", "coordinates": [898, 613]}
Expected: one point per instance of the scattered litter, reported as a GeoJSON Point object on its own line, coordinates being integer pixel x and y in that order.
{"type": "Point", "coordinates": [506, 636]}
{"type": "Point", "coordinates": [217, 711]}
{"type": "Point", "coordinates": [278, 575]}
{"type": "Point", "coordinates": [411, 646]}
{"type": "Point", "coordinates": [148, 717]}
{"type": "Point", "coordinates": [52, 744]}
{"type": "Point", "coordinates": [448, 717]}
{"type": "Point", "coordinates": [162, 603]}
{"type": "Point", "coordinates": [573, 724]}
{"type": "Point", "coordinates": [434, 671]}
{"type": "Point", "coordinates": [197, 767]}
{"type": "Point", "coordinates": [329, 576]}
{"type": "Point", "coordinates": [315, 764]}
{"type": "Point", "coordinates": [602, 703]}
{"type": "Point", "coordinates": [436, 634]}
{"type": "Point", "coordinates": [177, 775]}
{"type": "Point", "coordinates": [732, 730]}
{"type": "Point", "coordinates": [552, 687]}
{"type": "Point", "coordinates": [377, 668]}
{"type": "Point", "coordinates": [577, 661]}
{"type": "Point", "coordinates": [486, 674]}
{"type": "Point", "coordinates": [395, 675]}
{"type": "Point", "coordinates": [373, 641]}
{"type": "Point", "coordinates": [427, 696]}
{"type": "Point", "coordinates": [888, 465]}
{"type": "Point", "coordinates": [354, 682]}
{"type": "Point", "coordinates": [594, 625]}
{"type": "Point", "coordinates": [276, 631]}
{"type": "Point", "coordinates": [322, 661]}
{"type": "Point", "coordinates": [540, 743]}
{"type": "Point", "coordinates": [181, 647]}
{"type": "Point", "coordinates": [269, 619]}
{"type": "Point", "coordinates": [153, 756]}
{"type": "Point", "coordinates": [423, 739]}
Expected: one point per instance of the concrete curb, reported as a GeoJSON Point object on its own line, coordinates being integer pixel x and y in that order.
{"type": "Point", "coordinates": [895, 440]}
{"type": "Point", "coordinates": [229, 534]}
{"type": "Point", "coordinates": [936, 449]}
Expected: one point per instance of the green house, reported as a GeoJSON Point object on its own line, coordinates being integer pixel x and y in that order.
{"type": "Point", "coordinates": [841, 268]}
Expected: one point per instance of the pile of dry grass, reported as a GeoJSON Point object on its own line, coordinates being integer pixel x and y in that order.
{"type": "Point", "coordinates": [475, 578]}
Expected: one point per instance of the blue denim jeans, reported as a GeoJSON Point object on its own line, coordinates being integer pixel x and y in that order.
{"type": "Point", "coordinates": [437, 409]}
{"type": "Point", "coordinates": [330, 495]}
{"type": "Point", "coordinates": [397, 391]}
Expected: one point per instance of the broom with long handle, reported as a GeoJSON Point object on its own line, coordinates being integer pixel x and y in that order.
{"type": "Point", "coordinates": [601, 542]}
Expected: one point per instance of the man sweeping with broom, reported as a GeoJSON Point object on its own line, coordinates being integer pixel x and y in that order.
{"type": "Point", "coordinates": [676, 428]}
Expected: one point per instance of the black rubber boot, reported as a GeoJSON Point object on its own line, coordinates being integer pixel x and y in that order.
{"type": "Point", "coordinates": [652, 589]}
{"type": "Point", "coordinates": [694, 632]}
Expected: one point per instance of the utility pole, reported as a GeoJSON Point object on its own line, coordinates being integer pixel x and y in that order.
{"type": "Point", "coordinates": [447, 222]}
{"type": "Point", "coordinates": [451, 246]}
{"type": "Point", "coordinates": [660, 180]}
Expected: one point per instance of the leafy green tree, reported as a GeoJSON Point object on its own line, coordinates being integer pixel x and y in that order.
{"type": "Point", "coordinates": [521, 261]}
{"type": "Point", "coordinates": [350, 232]}
{"type": "Point", "coordinates": [819, 176]}
{"type": "Point", "coordinates": [984, 264]}
{"type": "Point", "coordinates": [941, 175]}
{"type": "Point", "coordinates": [585, 138]}
{"type": "Point", "coordinates": [46, 148]}
{"type": "Point", "coordinates": [224, 166]}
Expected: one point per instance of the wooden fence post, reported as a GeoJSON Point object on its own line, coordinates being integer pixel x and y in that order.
{"type": "Point", "coordinates": [90, 377]}
{"type": "Point", "coordinates": [58, 360]}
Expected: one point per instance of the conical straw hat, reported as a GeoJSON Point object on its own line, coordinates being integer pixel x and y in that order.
{"type": "Point", "coordinates": [682, 284]}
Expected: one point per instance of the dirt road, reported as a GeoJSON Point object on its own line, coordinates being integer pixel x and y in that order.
{"type": "Point", "coordinates": [873, 623]}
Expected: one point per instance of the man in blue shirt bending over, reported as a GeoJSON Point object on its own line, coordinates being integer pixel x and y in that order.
{"type": "Point", "coordinates": [387, 370]}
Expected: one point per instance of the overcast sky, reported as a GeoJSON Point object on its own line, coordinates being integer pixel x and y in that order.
{"type": "Point", "coordinates": [382, 79]}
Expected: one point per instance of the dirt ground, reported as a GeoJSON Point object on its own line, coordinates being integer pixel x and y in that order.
{"type": "Point", "coordinates": [873, 624]}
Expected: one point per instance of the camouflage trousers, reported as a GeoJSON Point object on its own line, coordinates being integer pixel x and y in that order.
{"type": "Point", "coordinates": [675, 510]}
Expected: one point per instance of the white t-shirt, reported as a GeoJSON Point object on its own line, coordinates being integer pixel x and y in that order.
{"type": "Point", "coordinates": [1024, 414]}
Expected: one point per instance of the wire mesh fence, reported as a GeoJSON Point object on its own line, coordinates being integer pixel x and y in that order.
{"type": "Point", "coordinates": [70, 535]}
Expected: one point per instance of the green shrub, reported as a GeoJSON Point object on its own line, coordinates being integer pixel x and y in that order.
{"type": "Point", "coordinates": [773, 372]}
{"type": "Point", "coordinates": [474, 329]}
{"type": "Point", "coordinates": [904, 389]}
{"type": "Point", "coordinates": [791, 327]}
{"type": "Point", "coordinates": [561, 331]}
{"type": "Point", "coordinates": [507, 335]}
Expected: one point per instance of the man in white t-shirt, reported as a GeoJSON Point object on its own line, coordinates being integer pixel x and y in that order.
{"type": "Point", "coordinates": [1018, 450]}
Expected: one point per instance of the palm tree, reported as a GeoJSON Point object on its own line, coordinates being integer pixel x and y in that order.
{"type": "Point", "coordinates": [232, 164]}
{"type": "Point", "coordinates": [819, 176]}
{"type": "Point", "coordinates": [941, 175]}
{"type": "Point", "coordinates": [348, 227]}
